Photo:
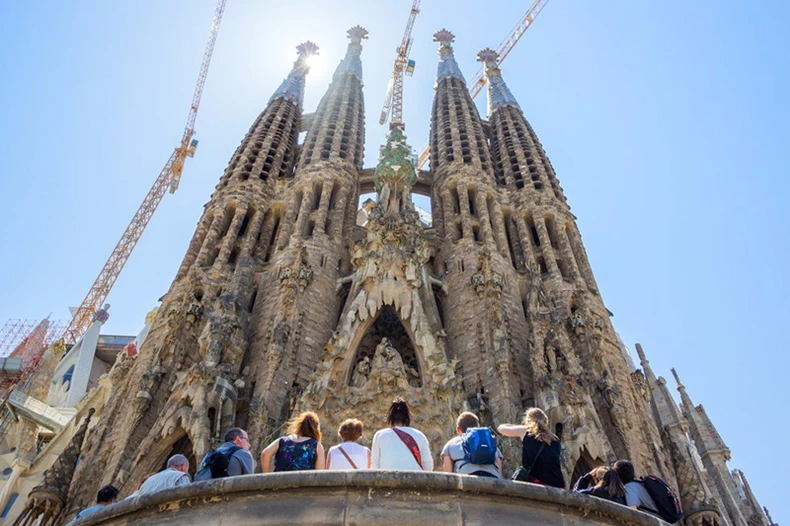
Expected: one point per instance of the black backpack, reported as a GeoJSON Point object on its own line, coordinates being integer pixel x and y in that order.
{"type": "Point", "coordinates": [215, 464]}
{"type": "Point", "coordinates": [665, 497]}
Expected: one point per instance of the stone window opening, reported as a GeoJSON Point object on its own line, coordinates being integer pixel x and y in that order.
{"type": "Point", "coordinates": [234, 254]}
{"type": "Point", "coordinates": [564, 270]}
{"type": "Point", "coordinates": [272, 238]}
{"type": "Point", "coordinates": [438, 297]}
{"type": "Point", "coordinates": [552, 232]}
{"type": "Point", "coordinates": [253, 298]}
{"type": "Point", "coordinates": [456, 200]}
{"type": "Point", "coordinates": [542, 265]}
{"type": "Point", "coordinates": [533, 231]}
{"type": "Point", "coordinates": [333, 197]}
{"type": "Point", "coordinates": [310, 228]}
{"type": "Point", "coordinates": [317, 190]}
{"type": "Point", "coordinates": [476, 233]}
{"type": "Point", "coordinates": [472, 196]}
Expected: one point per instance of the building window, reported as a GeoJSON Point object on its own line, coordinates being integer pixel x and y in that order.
{"type": "Point", "coordinates": [7, 471]}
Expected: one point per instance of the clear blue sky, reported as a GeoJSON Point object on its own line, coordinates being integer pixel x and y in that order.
{"type": "Point", "coordinates": [666, 123]}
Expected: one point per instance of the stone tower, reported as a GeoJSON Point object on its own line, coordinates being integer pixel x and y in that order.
{"type": "Point", "coordinates": [283, 303]}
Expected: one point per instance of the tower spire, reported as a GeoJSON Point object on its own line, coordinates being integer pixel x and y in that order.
{"type": "Point", "coordinates": [448, 67]}
{"type": "Point", "coordinates": [352, 62]}
{"type": "Point", "coordinates": [293, 86]}
{"type": "Point", "coordinates": [499, 94]}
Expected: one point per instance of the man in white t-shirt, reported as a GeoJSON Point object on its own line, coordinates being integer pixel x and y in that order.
{"type": "Point", "coordinates": [453, 452]}
{"type": "Point", "coordinates": [400, 446]}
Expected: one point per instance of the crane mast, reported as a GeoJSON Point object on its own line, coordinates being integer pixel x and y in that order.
{"type": "Point", "coordinates": [168, 178]}
{"type": "Point", "coordinates": [479, 81]}
{"type": "Point", "coordinates": [393, 102]}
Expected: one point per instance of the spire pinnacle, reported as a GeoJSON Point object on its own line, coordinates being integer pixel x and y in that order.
{"type": "Point", "coordinates": [677, 380]}
{"type": "Point", "coordinates": [356, 34]}
{"type": "Point", "coordinates": [352, 62]}
{"type": "Point", "coordinates": [293, 85]}
{"type": "Point", "coordinates": [448, 67]}
{"type": "Point", "coordinates": [498, 93]}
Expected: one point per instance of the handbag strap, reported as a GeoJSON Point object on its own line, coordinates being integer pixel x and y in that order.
{"type": "Point", "coordinates": [410, 443]}
{"type": "Point", "coordinates": [534, 460]}
{"type": "Point", "coordinates": [340, 448]}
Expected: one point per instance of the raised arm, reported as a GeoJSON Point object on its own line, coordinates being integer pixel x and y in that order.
{"type": "Point", "coordinates": [512, 430]}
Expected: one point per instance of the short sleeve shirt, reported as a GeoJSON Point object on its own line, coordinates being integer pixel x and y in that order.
{"type": "Point", "coordinates": [455, 450]}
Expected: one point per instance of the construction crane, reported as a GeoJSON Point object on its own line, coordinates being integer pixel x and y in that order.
{"type": "Point", "coordinates": [168, 179]}
{"type": "Point", "coordinates": [479, 81]}
{"type": "Point", "coordinates": [393, 102]}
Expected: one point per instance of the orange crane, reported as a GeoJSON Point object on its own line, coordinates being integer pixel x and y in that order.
{"type": "Point", "coordinates": [393, 102]}
{"type": "Point", "coordinates": [479, 81]}
{"type": "Point", "coordinates": [168, 178]}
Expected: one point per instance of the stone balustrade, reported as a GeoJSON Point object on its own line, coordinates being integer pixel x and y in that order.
{"type": "Point", "coordinates": [384, 498]}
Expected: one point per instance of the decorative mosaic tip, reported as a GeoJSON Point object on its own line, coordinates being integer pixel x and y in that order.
{"type": "Point", "coordinates": [488, 57]}
{"type": "Point", "coordinates": [307, 49]}
{"type": "Point", "coordinates": [443, 37]}
{"type": "Point", "coordinates": [357, 34]}
{"type": "Point", "coordinates": [498, 93]}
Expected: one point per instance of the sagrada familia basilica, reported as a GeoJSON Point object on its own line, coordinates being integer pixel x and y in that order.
{"type": "Point", "coordinates": [284, 303]}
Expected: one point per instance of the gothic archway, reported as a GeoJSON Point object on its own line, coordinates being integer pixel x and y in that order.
{"type": "Point", "coordinates": [387, 324]}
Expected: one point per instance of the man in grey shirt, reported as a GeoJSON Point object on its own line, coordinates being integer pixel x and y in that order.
{"type": "Point", "coordinates": [176, 474]}
{"type": "Point", "coordinates": [240, 460]}
{"type": "Point", "coordinates": [453, 452]}
{"type": "Point", "coordinates": [636, 496]}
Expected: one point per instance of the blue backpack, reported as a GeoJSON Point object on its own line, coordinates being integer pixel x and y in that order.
{"type": "Point", "coordinates": [479, 446]}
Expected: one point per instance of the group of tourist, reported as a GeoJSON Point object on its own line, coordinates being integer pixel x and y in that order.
{"type": "Point", "coordinates": [399, 446]}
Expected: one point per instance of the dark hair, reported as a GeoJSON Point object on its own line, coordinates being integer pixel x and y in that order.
{"type": "Point", "coordinates": [350, 430]}
{"type": "Point", "coordinates": [398, 413]}
{"type": "Point", "coordinates": [608, 480]}
{"type": "Point", "coordinates": [467, 420]}
{"type": "Point", "coordinates": [625, 470]}
{"type": "Point", "coordinates": [106, 495]}
{"type": "Point", "coordinates": [306, 424]}
{"type": "Point", "coordinates": [233, 434]}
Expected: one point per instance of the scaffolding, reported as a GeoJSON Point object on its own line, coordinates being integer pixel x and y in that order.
{"type": "Point", "coordinates": [22, 344]}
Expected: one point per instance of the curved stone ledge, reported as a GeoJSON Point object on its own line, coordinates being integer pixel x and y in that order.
{"type": "Point", "coordinates": [366, 498]}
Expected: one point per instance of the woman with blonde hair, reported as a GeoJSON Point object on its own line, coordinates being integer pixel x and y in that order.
{"type": "Point", "coordinates": [540, 453]}
{"type": "Point", "coordinates": [349, 454]}
{"type": "Point", "coordinates": [299, 450]}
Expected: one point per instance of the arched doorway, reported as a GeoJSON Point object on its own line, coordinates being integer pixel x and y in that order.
{"type": "Point", "coordinates": [182, 446]}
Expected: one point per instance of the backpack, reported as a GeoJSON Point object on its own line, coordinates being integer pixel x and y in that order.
{"type": "Point", "coordinates": [479, 446]}
{"type": "Point", "coordinates": [665, 497]}
{"type": "Point", "coordinates": [215, 464]}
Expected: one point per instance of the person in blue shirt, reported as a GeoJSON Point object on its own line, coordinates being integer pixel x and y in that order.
{"type": "Point", "coordinates": [106, 496]}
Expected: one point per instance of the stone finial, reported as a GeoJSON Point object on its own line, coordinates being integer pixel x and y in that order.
{"type": "Point", "coordinates": [489, 58]}
{"type": "Point", "coordinates": [641, 353]}
{"type": "Point", "coordinates": [499, 94]}
{"type": "Point", "coordinates": [356, 34]}
{"type": "Point", "coordinates": [444, 38]}
{"type": "Point", "coordinates": [293, 85]}
{"type": "Point", "coordinates": [677, 379]}
{"type": "Point", "coordinates": [307, 49]}
{"type": "Point", "coordinates": [102, 315]}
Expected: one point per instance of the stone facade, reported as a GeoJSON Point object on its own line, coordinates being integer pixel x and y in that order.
{"type": "Point", "coordinates": [283, 303]}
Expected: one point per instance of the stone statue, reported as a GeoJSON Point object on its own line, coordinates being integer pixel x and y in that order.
{"type": "Point", "coordinates": [360, 376]}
